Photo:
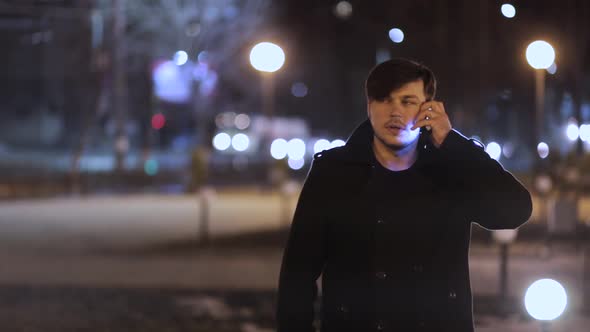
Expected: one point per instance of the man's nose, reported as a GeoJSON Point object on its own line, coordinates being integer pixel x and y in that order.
{"type": "Point", "coordinates": [395, 111]}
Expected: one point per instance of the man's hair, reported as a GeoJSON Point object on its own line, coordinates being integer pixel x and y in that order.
{"type": "Point", "coordinates": [393, 74]}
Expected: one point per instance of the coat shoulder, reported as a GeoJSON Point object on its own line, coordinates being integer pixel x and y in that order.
{"type": "Point", "coordinates": [330, 155]}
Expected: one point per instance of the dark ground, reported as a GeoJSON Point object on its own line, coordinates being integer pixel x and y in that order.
{"type": "Point", "coordinates": [65, 308]}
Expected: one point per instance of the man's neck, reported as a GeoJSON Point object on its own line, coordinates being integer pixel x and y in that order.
{"type": "Point", "coordinates": [395, 160]}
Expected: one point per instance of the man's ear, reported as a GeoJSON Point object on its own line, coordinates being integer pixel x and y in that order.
{"type": "Point", "coordinates": [368, 108]}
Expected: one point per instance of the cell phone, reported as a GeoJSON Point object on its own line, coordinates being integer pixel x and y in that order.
{"type": "Point", "coordinates": [424, 131]}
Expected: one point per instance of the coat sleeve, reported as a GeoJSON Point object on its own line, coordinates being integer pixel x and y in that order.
{"type": "Point", "coordinates": [492, 197]}
{"type": "Point", "coordinates": [303, 258]}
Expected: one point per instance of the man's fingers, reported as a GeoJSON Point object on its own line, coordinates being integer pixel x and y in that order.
{"type": "Point", "coordinates": [434, 106]}
{"type": "Point", "coordinates": [422, 123]}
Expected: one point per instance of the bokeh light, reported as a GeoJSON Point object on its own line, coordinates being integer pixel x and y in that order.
{"type": "Point", "coordinates": [508, 10]}
{"type": "Point", "coordinates": [494, 150]}
{"type": "Point", "coordinates": [540, 54]}
{"type": "Point", "coordinates": [180, 58]}
{"type": "Point", "coordinates": [151, 167]}
{"type": "Point", "coordinates": [295, 164]}
{"type": "Point", "coordinates": [240, 142]}
{"type": "Point", "coordinates": [242, 121]}
{"type": "Point", "coordinates": [543, 150]}
{"type": "Point", "coordinates": [585, 132]}
{"type": "Point", "coordinates": [321, 145]}
{"type": "Point", "coordinates": [158, 121]}
{"type": "Point", "coordinates": [572, 132]}
{"type": "Point", "coordinates": [278, 148]}
{"type": "Point", "coordinates": [221, 141]}
{"type": "Point", "coordinates": [396, 35]}
{"type": "Point", "coordinates": [337, 143]}
{"type": "Point", "coordinates": [296, 149]}
{"type": "Point", "coordinates": [552, 69]}
{"type": "Point", "coordinates": [203, 57]}
{"type": "Point", "coordinates": [545, 299]}
{"type": "Point", "coordinates": [508, 150]}
{"type": "Point", "coordinates": [343, 9]}
{"type": "Point", "coordinates": [299, 89]}
{"type": "Point", "coordinates": [267, 57]}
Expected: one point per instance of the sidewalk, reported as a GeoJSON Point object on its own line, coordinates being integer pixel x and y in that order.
{"type": "Point", "coordinates": [218, 290]}
{"type": "Point", "coordinates": [132, 264]}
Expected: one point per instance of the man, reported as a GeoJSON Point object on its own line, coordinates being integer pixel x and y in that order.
{"type": "Point", "coordinates": [386, 218]}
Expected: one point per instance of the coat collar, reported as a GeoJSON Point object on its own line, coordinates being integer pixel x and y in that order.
{"type": "Point", "coordinates": [358, 147]}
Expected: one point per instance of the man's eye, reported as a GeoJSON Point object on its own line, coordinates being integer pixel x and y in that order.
{"type": "Point", "coordinates": [407, 102]}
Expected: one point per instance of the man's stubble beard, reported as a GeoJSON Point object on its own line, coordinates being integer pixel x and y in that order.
{"type": "Point", "coordinates": [396, 147]}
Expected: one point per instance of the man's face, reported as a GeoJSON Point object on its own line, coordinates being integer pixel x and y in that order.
{"type": "Point", "coordinates": [393, 117]}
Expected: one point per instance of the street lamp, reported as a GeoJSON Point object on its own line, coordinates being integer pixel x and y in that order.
{"type": "Point", "coordinates": [545, 300]}
{"type": "Point", "coordinates": [267, 58]}
{"type": "Point", "coordinates": [540, 55]}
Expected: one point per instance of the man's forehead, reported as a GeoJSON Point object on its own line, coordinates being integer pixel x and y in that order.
{"type": "Point", "coordinates": [414, 89]}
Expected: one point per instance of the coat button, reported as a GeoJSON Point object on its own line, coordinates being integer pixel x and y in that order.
{"type": "Point", "coordinates": [381, 275]}
{"type": "Point", "coordinates": [380, 221]}
{"type": "Point", "coordinates": [418, 268]}
{"type": "Point", "coordinates": [343, 308]}
{"type": "Point", "coordinates": [452, 295]}
{"type": "Point", "coordinates": [380, 326]}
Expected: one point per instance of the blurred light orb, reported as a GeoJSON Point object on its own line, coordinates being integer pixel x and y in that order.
{"type": "Point", "coordinates": [221, 141]}
{"type": "Point", "coordinates": [585, 132]}
{"type": "Point", "coordinates": [540, 54]}
{"type": "Point", "coordinates": [158, 121]}
{"type": "Point", "coordinates": [572, 132]}
{"type": "Point", "coordinates": [180, 58]}
{"type": "Point", "coordinates": [543, 150]}
{"type": "Point", "coordinates": [267, 57]}
{"type": "Point", "coordinates": [508, 10]}
{"type": "Point", "coordinates": [321, 145]}
{"type": "Point", "coordinates": [396, 35]}
{"type": "Point", "coordinates": [299, 90]}
{"type": "Point", "coordinates": [494, 150]}
{"type": "Point", "coordinates": [219, 121]}
{"type": "Point", "coordinates": [203, 57]}
{"type": "Point", "coordinates": [278, 148]}
{"type": "Point", "coordinates": [242, 121]}
{"type": "Point", "coordinates": [295, 164]}
{"type": "Point", "coordinates": [545, 299]}
{"type": "Point", "coordinates": [543, 183]}
{"type": "Point", "coordinates": [508, 150]}
{"type": "Point", "coordinates": [170, 84]}
{"type": "Point", "coordinates": [296, 149]}
{"type": "Point", "coordinates": [240, 142]}
{"type": "Point", "coordinates": [343, 10]}
{"type": "Point", "coordinates": [225, 120]}
{"type": "Point", "coordinates": [122, 144]}
{"type": "Point", "coordinates": [337, 143]}
{"type": "Point", "coordinates": [552, 69]}
{"type": "Point", "coordinates": [151, 167]}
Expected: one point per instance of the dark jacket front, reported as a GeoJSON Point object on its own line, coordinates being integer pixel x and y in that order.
{"type": "Point", "coordinates": [337, 233]}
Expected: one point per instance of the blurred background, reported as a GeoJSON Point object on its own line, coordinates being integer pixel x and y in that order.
{"type": "Point", "coordinates": [152, 151]}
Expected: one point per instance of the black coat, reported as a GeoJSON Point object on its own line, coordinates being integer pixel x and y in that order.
{"type": "Point", "coordinates": [335, 230]}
